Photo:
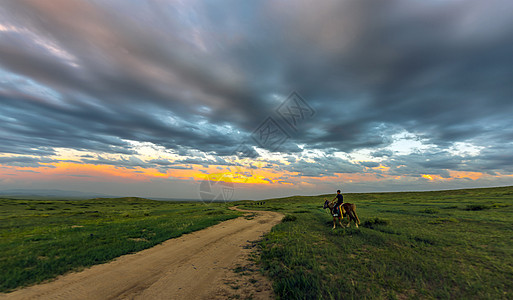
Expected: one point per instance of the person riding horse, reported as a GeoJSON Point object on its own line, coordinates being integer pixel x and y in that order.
{"type": "Point", "coordinates": [337, 210]}
{"type": "Point", "coordinates": [340, 201]}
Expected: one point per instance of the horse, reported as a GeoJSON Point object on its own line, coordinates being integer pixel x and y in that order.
{"type": "Point", "coordinates": [348, 209]}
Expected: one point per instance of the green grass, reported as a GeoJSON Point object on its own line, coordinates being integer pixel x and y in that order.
{"type": "Point", "coordinates": [42, 239]}
{"type": "Point", "coordinates": [445, 245]}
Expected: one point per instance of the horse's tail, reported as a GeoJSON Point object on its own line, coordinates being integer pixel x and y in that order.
{"type": "Point", "coordinates": [354, 210]}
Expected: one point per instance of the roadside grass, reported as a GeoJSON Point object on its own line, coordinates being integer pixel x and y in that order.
{"type": "Point", "coordinates": [446, 244]}
{"type": "Point", "coordinates": [42, 239]}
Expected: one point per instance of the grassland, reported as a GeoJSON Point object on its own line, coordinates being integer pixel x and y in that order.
{"type": "Point", "coordinates": [444, 245]}
{"type": "Point", "coordinates": [448, 244]}
{"type": "Point", "coordinates": [42, 239]}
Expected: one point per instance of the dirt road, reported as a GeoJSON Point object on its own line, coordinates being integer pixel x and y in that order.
{"type": "Point", "coordinates": [199, 265]}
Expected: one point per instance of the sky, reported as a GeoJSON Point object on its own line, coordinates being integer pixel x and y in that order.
{"type": "Point", "coordinates": [255, 99]}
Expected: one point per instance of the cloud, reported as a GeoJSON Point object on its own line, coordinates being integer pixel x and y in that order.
{"type": "Point", "coordinates": [25, 161]}
{"type": "Point", "coordinates": [199, 78]}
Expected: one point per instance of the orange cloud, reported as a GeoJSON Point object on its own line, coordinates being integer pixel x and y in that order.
{"type": "Point", "coordinates": [382, 168]}
{"type": "Point", "coordinates": [67, 170]}
{"type": "Point", "coordinates": [456, 175]}
{"type": "Point", "coordinates": [427, 176]}
{"type": "Point", "coordinates": [462, 174]}
{"type": "Point", "coordinates": [240, 175]}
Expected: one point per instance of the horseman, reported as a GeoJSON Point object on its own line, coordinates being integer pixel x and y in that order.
{"type": "Point", "coordinates": [337, 209]}
{"type": "Point", "coordinates": [340, 201]}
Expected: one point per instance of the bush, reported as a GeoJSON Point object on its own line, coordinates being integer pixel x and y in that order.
{"type": "Point", "coordinates": [442, 220]}
{"type": "Point", "coordinates": [289, 218]}
{"type": "Point", "coordinates": [373, 222]}
{"type": "Point", "coordinates": [450, 207]}
{"type": "Point", "coordinates": [499, 205]}
{"type": "Point", "coordinates": [431, 211]}
{"type": "Point", "coordinates": [477, 207]}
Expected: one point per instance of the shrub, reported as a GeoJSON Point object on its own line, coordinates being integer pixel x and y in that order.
{"type": "Point", "coordinates": [431, 211]}
{"type": "Point", "coordinates": [450, 207]}
{"type": "Point", "coordinates": [477, 207]}
{"type": "Point", "coordinates": [375, 221]}
{"type": "Point", "coordinates": [289, 218]}
{"type": "Point", "coordinates": [442, 220]}
{"type": "Point", "coordinates": [499, 205]}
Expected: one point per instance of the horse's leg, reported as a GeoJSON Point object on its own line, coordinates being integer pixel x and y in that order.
{"type": "Point", "coordinates": [340, 216]}
{"type": "Point", "coordinates": [357, 219]}
{"type": "Point", "coordinates": [349, 218]}
{"type": "Point", "coordinates": [334, 225]}
{"type": "Point", "coordinates": [354, 217]}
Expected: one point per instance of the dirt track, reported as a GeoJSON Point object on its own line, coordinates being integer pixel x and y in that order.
{"type": "Point", "coordinates": [199, 265]}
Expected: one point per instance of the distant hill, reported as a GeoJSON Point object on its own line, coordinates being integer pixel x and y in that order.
{"type": "Point", "coordinates": [174, 199]}
{"type": "Point", "coordinates": [50, 193]}
{"type": "Point", "coordinates": [64, 194]}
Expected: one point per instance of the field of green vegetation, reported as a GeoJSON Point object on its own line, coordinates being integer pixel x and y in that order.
{"type": "Point", "coordinates": [42, 239]}
{"type": "Point", "coordinates": [444, 245]}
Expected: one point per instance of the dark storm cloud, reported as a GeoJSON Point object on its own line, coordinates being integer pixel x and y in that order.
{"type": "Point", "coordinates": [369, 164]}
{"type": "Point", "coordinates": [93, 75]}
{"type": "Point", "coordinates": [130, 163]}
{"type": "Point", "coordinates": [205, 162]}
{"type": "Point", "coordinates": [161, 162]}
{"type": "Point", "coordinates": [441, 71]}
{"type": "Point", "coordinates": [489, 161]}
{"type": "Point", "coordinates": [320, 166]}
{"type": "Point", "coordinates": [24, 161]}
{"type": "Point", "coordinates": [32, 121]}
{"type": "Point", "coordinates": [117, 90]}
{"type": "Point", "coordinates": [180, 168]}
{"type": "Point", "coordinates": [496, 159]}
{"type": "Point", "coordinates": [382, 153]}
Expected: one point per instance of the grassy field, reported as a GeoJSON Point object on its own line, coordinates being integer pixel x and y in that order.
{"type": "Point", "coordinates": [447, 244]}
{"type": "Point", "coordinates": [42, 239]}
{"type": "Point", "coordinates": [444, 245]}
